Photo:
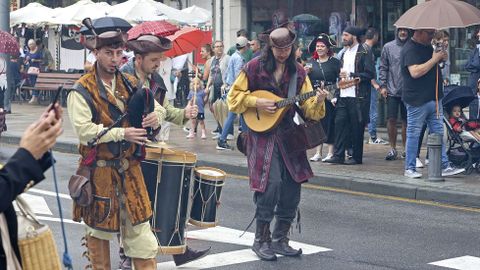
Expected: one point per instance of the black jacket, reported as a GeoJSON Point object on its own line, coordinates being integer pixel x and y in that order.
{"type": "Point", "coordinates": [18, 174]}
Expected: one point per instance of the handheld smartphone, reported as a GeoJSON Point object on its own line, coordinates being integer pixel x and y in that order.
{"type": "Point", "coordinates": [55, 98]}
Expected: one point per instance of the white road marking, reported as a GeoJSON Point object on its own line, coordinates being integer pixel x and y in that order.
{"type": "Point", "coordinates": [460, 263]}
{"type": "Point", "coordinates": [37, 204]}
{"type": "Point", "coordinates": [230, 236]}
{"type": "Point", "coordinates": [49, 193]}
{"type": "Point", "coordinates": [58, 220]}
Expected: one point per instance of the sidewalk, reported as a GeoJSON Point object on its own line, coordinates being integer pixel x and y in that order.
{"type": "Point", "coordinates": [376, 175]}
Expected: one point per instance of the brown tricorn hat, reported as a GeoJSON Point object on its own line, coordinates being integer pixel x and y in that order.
{"type": "Point", "coordinates": [106, 39]}
{"type": "Point", "coordinates": [282, 38]}
{"type": "Point", "coordinates": [149, 43]}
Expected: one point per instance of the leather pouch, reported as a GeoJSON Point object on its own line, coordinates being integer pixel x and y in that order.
{"type": "Point", "coordinates": [80, 187]}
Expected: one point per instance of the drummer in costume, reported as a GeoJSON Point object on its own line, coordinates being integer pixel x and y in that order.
{"type": "Point", "coordinates": [275, 174]}
{"type": "Point", "coordinates": [148, 51]}
{"type": "Point", "coordinates": [120, 199]}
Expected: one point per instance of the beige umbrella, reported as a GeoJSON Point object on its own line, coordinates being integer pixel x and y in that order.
{"type": "Point", "coordinates": [439, 14]}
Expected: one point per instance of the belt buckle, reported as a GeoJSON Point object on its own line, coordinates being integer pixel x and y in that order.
{"type": "Point", "coordinates": [101, 163]}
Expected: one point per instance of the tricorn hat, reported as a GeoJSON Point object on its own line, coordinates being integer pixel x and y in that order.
{"type": "Point", "coordinates": [149, 43]}
{"type": "Point", "coordinates": [323, 38]}
{"type": "Point", "coordinates": [105, 39]}
{"type": "Point", "coordinates": [282, 38]}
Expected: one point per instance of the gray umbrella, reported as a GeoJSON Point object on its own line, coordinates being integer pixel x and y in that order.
{"type": "Point", "coordinates": [104, 24]}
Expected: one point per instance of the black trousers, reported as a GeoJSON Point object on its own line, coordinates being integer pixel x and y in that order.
{"type": "Point", "coordinates": [282, 195]}
{"type": "Point", "coordinates": [349, 128]}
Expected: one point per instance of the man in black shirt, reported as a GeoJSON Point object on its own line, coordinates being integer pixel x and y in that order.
{"type": "Point", "coordinates": [422, 94]}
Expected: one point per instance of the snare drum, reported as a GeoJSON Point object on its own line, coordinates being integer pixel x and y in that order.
{"type": "Point", "coordinates": [167, 175]}
{"type": "Point", "coordinates": [207, 189]}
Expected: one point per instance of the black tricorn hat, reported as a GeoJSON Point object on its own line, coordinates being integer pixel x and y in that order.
{"type": "Point", "coordinates": [282, 37]}
{"type": "Point", "coordinates": [149, 43]}
{"type": "Point", "coordinates": [105, 39]}
{"type": "Point", "coordinates": [323, 38]}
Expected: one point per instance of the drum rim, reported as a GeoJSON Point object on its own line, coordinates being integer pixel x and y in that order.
{"type": "Point", "coordinates": [210, 177]}
{"type": "Point", "coordinates": [203, 224]}
{"type": "Point", "coordinates": [158, 154]}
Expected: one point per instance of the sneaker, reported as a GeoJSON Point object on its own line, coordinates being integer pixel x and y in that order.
{"type": "Point", "coordinates": [190, 136]}
{"type": "Point", "coordinates": [223, 145]}
{"type": "Point", "coordinates": [215, 132]}
{"type": "Point", "coordinates": [316, 157]}
{"type": "Point", "coordinates": [33, 100]}
{"type": "Point", "coordinates": [230, 137]}
{"type": "Point", "coordinates": [377, 140]}
{"type": "Point", "coordinates": [418, 163]}
{"type": "Point", "coordinates": [216, 137]}
{"type": "Point", "coordinates": [412, 174]}
{"type": "Point", "coordinates": [186, 129]}
{"type": "Point", "coordinates": [448, 171]}
{"type": "Point", "coordinates": [392, 155]}
{"type": "Point", "coordinates": [204, 136]}
{"type": "Point", "coordinates": [329, 156]}
{"type": "Point", "coordinates": [404, 155]}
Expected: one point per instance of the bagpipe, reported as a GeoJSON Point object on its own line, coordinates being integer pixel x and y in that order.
{"type": "Point", "coordinates": [139, 104]}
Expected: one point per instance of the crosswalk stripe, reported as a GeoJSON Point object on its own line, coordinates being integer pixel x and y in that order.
{"type": "Point", "coordinates": [49, 193]}
{"type": "Point", "coordinates": [460, 263]}
{"type": "Point", "coordinates": [232, 236]}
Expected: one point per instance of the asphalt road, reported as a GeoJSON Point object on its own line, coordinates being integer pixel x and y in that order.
{"type": "Point", "coordinates": [359, 231]}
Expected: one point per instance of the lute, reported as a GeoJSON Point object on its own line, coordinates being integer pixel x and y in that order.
{"type": "Point", "coordinates": [262, 121]}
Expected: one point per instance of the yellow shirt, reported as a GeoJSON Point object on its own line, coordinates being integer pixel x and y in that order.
{"type": "Point", "coordinates": [81, 117]}
{"type": "Point", "coordinates": [239, 99]}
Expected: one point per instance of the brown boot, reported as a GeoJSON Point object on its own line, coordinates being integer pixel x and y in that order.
{"type": "Point", "coordinates": [144, 264]}
{"type": "Point", "coordinates": [98, 253]}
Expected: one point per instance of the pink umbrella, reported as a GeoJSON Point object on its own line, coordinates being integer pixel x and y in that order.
{"type": "Point", "coordinates": [157, 28]}
{"type": "Point", "coordinates": [185, 40]}
{"type": "Point", "coordinates": [8, 44]}
{"type": "Point", "coordinates": [439, 14]}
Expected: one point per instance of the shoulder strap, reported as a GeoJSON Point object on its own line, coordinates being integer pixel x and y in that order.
{"type": "Point", "coordinates": [88, 98]}
{"type": "Point", "coordinates": [292, 85]}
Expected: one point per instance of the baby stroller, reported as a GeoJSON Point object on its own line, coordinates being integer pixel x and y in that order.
{"type": "Point", "coordinates": [462, 150]}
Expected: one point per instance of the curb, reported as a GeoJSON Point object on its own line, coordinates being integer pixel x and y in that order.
{"type": "Point", "coordinates": [378, 187]}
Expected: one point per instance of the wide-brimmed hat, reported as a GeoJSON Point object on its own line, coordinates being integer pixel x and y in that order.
{"type": "Point", "coordinates": [323, 38]}
{"type": "Point", "coordinates": [105, 39]}
{"type": "Point", "coordinates": [282, 38]}
{"type": "Point", "coordinates": [149, 43]}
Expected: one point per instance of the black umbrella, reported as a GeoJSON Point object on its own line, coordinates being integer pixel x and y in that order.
{"type": "Point", "coordinates": [105, 24]}
{"type": "Point", "coordinates": [457, 95]}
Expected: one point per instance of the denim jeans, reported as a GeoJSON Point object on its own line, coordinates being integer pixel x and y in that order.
{"type": "Point", "coordinates": [372, 126]}
{"type": "Point", "coordinates": [416, 117]}
{"type": "Point", "coordinates": [228, 125]}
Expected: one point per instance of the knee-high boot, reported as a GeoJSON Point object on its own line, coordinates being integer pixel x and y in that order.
{"type": "Point", "coordinates": [98, 253]}
{"type": "Point", "coordinates": [280, 240]}
{"type": "Point", "coordinates": [144, 264]}
{"type": "Point", "coordinates": [261, 245]}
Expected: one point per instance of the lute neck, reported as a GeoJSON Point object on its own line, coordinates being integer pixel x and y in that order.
{"type": "Point", "coordinates": [302, 97]}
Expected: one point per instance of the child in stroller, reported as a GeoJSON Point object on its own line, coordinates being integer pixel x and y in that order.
{"type": "Point", "coordinates": [466, 128]}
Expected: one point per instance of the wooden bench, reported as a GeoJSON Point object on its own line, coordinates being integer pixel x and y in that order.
{"type": "Point", "coordinates": [48, 82]}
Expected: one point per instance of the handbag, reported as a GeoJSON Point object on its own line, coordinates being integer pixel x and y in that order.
{"type": "Point", "coordinates": [33, 71]}
{"type": "Point", "coordinates": [80, 187]}
{"type": "Point", "coordinates": [35, 240]}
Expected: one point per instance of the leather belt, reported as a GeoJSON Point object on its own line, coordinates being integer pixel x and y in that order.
{"type": "Point", "coordinates": [120, 164]}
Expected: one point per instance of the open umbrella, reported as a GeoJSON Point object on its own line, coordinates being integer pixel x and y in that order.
{"type": "Point", "coordinates": [157, 28]}
{"type": "Point", "coordinates": [439, 14]}
{"type": "Point", "coordinates": [107, 24]}
{"type": "Point", "coordinates": [8, 44]}
{"type": "Point", "coordinates": [74, 14]}
{"type": "Point", "coordinates": [185, 40]}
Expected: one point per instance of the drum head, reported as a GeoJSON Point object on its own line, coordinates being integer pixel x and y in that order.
{"type": "Point", "coordinates": [170, 155]}
{"type": "Point", "coordinates": [209, 173]}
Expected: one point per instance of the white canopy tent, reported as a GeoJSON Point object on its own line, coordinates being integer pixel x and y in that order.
{"type": "Point", "coordinates": [197, 14]}
{"type": "Point", "coordinates": [137, 11]}
{"type": "Point", "coordinates": [31, 14]}
{"type": "Point", "coordinates": [74, 14]}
